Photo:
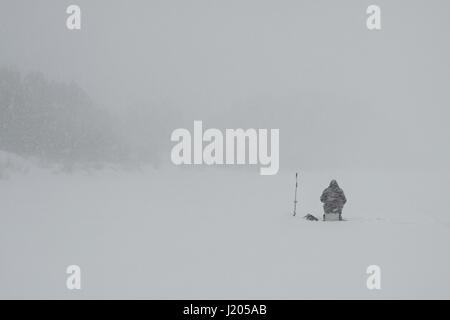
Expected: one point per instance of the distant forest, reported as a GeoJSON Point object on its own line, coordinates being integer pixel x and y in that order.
{"type": "Point", "coordinates": [59, 122]}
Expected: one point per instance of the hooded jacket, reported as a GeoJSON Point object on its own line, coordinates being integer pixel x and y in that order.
{"type": "Point", "coordinates": [333, 198]}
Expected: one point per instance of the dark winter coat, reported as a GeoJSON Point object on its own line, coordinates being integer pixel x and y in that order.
{"type": "Point", "coordinates": [333, 198]}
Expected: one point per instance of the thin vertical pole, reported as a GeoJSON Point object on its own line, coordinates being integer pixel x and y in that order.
{"type": "Point", "coordinates": [295, 199]}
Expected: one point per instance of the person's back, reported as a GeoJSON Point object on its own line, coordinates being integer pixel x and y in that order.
{"type": "Point", "coordinates": [333, 199]}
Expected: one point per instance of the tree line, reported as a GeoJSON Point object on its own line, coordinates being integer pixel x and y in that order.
{"type": "Point", "coordinates": [59, 122]}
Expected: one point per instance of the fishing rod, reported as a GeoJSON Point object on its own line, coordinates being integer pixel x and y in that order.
{"type": "Point", "coordinates": [295, 199]}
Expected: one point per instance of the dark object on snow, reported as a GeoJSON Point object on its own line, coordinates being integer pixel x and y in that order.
{"type": "Point", "coordinates": [333, 199]}
{"type": "Point", "coordinates": [310, 217]}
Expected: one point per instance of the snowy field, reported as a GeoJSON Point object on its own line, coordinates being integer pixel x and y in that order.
{"type": "Point", "coordinates": [221, 234]}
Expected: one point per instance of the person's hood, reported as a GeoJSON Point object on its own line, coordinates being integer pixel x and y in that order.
{"type": "Point", "coordinates": [334, 184]}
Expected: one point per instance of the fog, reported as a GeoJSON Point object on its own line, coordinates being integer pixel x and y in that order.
{"type": "Point", "coordinates": [87, 178]}
{"type": "Point", "coordinates": [342, 96]}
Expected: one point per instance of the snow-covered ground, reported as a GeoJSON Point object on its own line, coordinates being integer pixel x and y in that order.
{"type": "Point", "coordinates": [213, 234]}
